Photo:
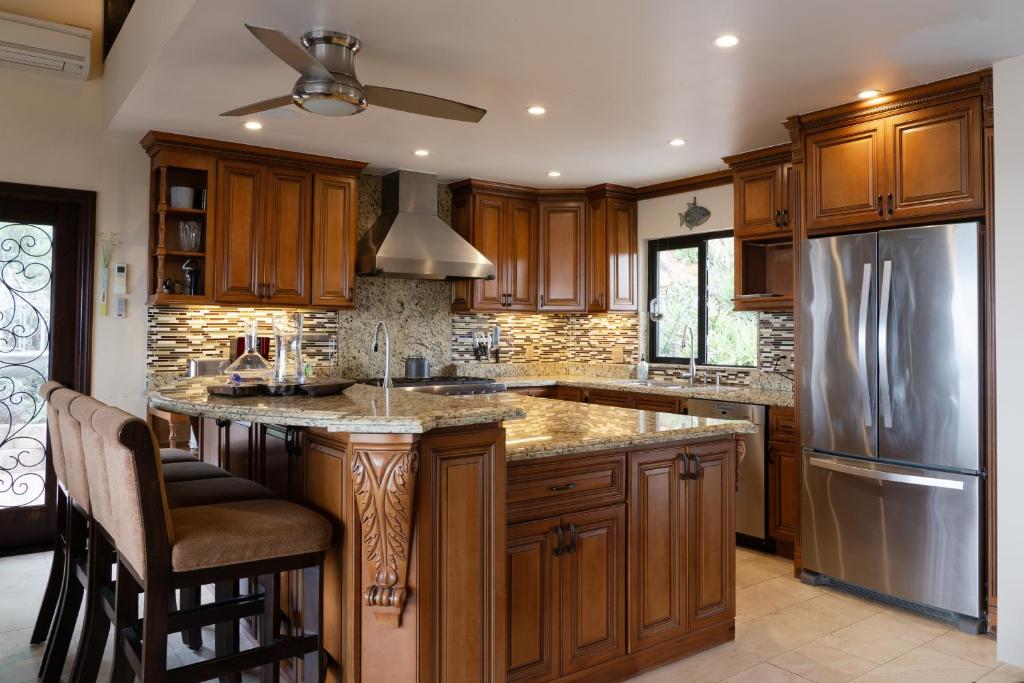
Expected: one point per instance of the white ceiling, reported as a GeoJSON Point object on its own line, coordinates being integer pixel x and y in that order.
{"type": "Point", "coordinates": [618, 78]}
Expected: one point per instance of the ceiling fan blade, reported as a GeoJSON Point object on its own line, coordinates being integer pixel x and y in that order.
{"type": "Point", "coordinates": [427, 105]}
{"type": "Point", "coordinates": [257, 107]}
{"type": "Point", "coordinates": [292, 54]}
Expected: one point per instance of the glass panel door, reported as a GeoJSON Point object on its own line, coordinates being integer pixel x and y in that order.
{"type": "Point", "coordinates": [26, 268]}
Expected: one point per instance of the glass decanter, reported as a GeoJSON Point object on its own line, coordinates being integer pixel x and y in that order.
{"type": "Point", "coordinates": [250, 365]}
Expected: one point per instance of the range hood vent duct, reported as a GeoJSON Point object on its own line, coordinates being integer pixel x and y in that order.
{"type": "Point", "coordinates": [410, 241]}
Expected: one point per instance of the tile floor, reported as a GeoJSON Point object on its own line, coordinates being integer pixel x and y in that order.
{"type": "Point", "coordinates": [785, 631]}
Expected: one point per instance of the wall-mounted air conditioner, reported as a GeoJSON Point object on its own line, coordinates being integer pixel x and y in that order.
{"type": "Point", "coordinates": [36, 45]}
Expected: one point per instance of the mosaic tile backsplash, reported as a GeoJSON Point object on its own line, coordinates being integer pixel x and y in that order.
{"type": "Point", "coordinates": [417, 312]}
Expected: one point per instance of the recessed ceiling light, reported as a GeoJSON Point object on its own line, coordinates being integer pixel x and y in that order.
{"type": "Point", "coordinates": [422, 152]}
{"type": "Point", "coordinates": [554, 174]}
{"type": "Point", "coordinates": [728, 40]}
{"type": "Point", "coordinates": [867, 94]}
{"type": "Point", "coordinates": [253, 125]}
{"type": "Point", "coordinates": [677, 142]}
{"type": "Point", "coordinates": [536, 110]}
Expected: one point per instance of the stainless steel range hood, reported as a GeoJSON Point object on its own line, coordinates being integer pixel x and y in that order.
{"type": "Point", "coordinates": [409, 240]}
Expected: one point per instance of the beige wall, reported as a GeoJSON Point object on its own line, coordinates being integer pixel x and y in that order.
{"type": "Point", "coordinates": [50, 134]}
{"type": "Point", "coordinates": [1009, 176]}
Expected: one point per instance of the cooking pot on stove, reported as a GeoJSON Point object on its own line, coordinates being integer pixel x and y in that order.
{"type": "Point", "coordinates": [417, 367]}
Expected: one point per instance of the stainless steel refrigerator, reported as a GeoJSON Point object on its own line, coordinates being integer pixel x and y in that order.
{"type": "Point", "coordinates": [890, 410]}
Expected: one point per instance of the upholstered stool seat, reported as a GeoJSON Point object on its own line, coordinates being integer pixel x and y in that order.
{"type": "Point", "coordinates": [246, 531]}
{"type": "Point", "coordinates": [188, 471]}
{"type": "Point", "coordinates": [169, 455]}
{"type": "Point", "coordinates": [182, 494]}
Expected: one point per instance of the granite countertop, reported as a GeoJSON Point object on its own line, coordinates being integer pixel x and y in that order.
{"type": "Point", "coordinates": [566, 428]}
{"type": "Point", "coordinates": [359, 409]}
{"type": "Point", "coordinates": [737, 394]}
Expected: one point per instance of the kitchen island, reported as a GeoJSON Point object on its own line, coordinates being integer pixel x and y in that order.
{"type": "Point", "coordinates": [500, 537]}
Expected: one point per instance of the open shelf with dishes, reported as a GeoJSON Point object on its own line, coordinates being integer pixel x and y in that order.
{"type": "Point", "coordinates": [181, 237]}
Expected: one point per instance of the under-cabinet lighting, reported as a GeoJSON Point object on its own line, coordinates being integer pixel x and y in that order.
{"type": "Point", "coordinates": [677, 142]}
{"type": "Point", "coordinates": [727, 40]}
{"type": "Point", "coordinates": [422, 152]}
{"type": "Point", "coordinates": [536, 110]}
{"type": "Point", "coordinates": [554, 174]}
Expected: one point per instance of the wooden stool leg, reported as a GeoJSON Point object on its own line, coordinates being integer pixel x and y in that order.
{"type": "Point", "coordinates": [126, 611]}
{"type": "Point", "coordinates": [313, 668]}
{"type": "Point", "coordinates": [154, 631]}
{"type": "Point", "coordinates": [54, 582]}
{"type": "Point", "coordinates": [63, 629]}
{"type": "Point", "coordinates": [97, 626]}
{"type": "Point", "coordinates": [226, 633]}
{"type": "Point", "coordinates": [270, 624]}
{"type": "Point", "coordinates": [191, 597]}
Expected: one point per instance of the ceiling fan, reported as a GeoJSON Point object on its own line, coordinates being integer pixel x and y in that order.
{"type": "Point", "coordinates": [328, 83]}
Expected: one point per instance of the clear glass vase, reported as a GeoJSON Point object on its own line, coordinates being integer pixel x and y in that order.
{"type": "Point", "coordinates": [288, 342]}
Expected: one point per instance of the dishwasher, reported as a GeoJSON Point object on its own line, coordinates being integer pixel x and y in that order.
{"type": "Point", "coordinates": [751, 496]}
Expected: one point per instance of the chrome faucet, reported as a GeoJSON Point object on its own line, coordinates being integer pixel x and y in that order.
{"type": "Point", "coordinates": [387, 351]}
{"type": "Point", "coordinates": [692, 374]}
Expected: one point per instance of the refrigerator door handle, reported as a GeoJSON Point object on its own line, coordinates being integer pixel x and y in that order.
{"type": "Point", "coordinates": [882, 475]}
{"type": "Point", "coordinates": [885, 394]}
{"type": "Point", "coordinates": [862, 343]}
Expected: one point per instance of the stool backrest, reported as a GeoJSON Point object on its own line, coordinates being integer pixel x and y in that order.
{"type": "Point", "coordinates": [139, 519]}
{"type": "Point", "coordinates": [53, 427]}
{"type": "Point", "coordinates": [63, 401]}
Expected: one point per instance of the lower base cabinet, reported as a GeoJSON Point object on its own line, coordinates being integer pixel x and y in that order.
{"type": "Point", "coordinates": [589, 590]}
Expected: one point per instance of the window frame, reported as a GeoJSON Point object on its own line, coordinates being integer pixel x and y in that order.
{"type": "Point", "coordinates": [655, 247]}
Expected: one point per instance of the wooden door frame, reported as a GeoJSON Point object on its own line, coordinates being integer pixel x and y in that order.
{"type": "Point", "coordinates": [72, 303]}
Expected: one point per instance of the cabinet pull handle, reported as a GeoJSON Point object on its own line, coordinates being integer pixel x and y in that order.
{"type": "Point", "coordinates": [564, 487]}
{"type": "Point", "coordinates": [785, 217]}
{"type": "Point", "coordinates": [558, 547]}
{"type": "Point", "coordinates": [778, 218]}
{"type": "Point", "coordinates": [888, 203]}
{"type": "Point", "coordinates": [542, 300]}
{"type": "Point", "coordinates": [878, 205]}
{"type": "Point", "coordinates": [685, 474]}
{"type": "Point", "coordinates": [572, 539]}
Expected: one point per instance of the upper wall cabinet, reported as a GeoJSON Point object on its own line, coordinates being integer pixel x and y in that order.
{"type": "Point", "coordinates": [611, 250]}
{"type": "Point", "coordinates": [561, 277]}
{"type": "Point", "coordinates": [558, 251]}
{"type": "Point", "coordinates": [766, 204]}
{"type": "Point", "coordinates": [897, 159]}
{"type": "Point", "coordinates": [276, 228]}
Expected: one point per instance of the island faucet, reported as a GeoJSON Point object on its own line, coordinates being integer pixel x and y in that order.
{"type": "Point", "coordinates": [387, 351]}
{"type": "Point", "coordinates": [692, 374]}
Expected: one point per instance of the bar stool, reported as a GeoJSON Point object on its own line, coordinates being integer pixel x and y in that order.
{"type": "Point", "coordinates": [71, 548]}
{"type": "Point", "coordinates": [159, 549]}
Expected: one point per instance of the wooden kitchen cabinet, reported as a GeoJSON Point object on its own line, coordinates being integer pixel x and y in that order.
{"type": "Point", "coordinates": [335, 222]}
{"type": "Point", "coordinates": [908, 162]}
{"type": "Point", "coordinates": [534, 590]}
{"type": "Point", "coordinates": [766, 201]}
{"type": "Point", "coordinates": [658, 552]}
{"type": "Point", "coordinates": [279, 230]}
{"type": "Point", "coordinates": [783, 479]}
{"type": "Point", "coordinates": [611, 250]}
{"type": "Point", "coordinates": [561, 274]}
{"type": "Point", "coordinates": [712, 573]}
{"type": "Point", "coordinates": [504, 229]}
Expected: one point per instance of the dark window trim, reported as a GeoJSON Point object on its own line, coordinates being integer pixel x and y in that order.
{"type": "Point", "coordinates": [700, 241]}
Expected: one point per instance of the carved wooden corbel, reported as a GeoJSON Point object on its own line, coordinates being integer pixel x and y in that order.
{"type": "Point", "coordinates": [385, 486]}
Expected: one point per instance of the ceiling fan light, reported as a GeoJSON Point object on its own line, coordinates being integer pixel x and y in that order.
{"type": "Point", "coordinates": [325, 105]}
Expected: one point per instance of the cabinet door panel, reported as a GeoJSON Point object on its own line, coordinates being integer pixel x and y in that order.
{"type": "Point", "coordinates": [521, 258]}
{"type": "Point", "coordinates": [845, 176]}
{"type": "Point", "coordinates": [759, 201]}
{"type": "Point", "coordinates": [657, 549]}
{"type": "Point", "coordinates": [533, 606]}
{"type": "Point", "coordinates": [622, 256]}
{"type": "Point", "coordinates": [782, 496]}
{"type": "Point", "coordinates": [239, 232]}
{"type": "Point", "coordinates": [562, 271]}
{"type": "Point", "coordinates": [712, 532]}
{"type": "Point", "coordinates": [594, 588]}
{"type": "Point", "coordinates": [935, 160]}
{"type": "Point", "coordinates": [334, 240]}
{"type": "Point", "coordinates": [597, 255]}
{"type": "Point", "coordinates": [286, 254]}
{"type": "Point", "coordinates": [488, 230]}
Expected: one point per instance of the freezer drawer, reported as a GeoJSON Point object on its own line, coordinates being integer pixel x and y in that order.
{"type": "Point", "coordinates": [910, 533]}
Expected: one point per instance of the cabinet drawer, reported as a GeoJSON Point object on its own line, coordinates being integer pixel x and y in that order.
{"type": "Point", "coordinates": [657, 404]}
{"type": "Point", "coordinates": [538, 392]}
{"type": "Point", "coordinates": [609, 398]}
{"type": "Point", "coordinates": [781, 425]}
{"type": "Point", "coordinates": [539, 489]}
{"type": "Point", "coordinates": [570, 394]}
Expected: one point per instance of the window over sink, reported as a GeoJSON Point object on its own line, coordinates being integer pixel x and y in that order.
{"type": "Point", "coordinates": [692, 276]}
